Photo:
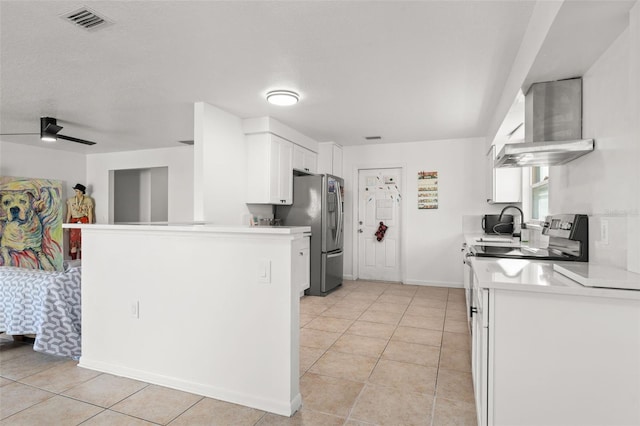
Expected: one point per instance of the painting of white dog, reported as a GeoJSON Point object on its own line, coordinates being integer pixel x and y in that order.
{"type": "Point", "coordinates": [31, 223]}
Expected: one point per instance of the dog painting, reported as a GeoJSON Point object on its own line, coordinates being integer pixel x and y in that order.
{"type": "Point", "coordinates": [31, 223]}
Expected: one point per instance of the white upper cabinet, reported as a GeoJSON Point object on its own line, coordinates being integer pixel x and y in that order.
{"type": "Point", "coordinates": [304, 159]}
{"type": "Point", "coordinates": [330, 158]}
{"type": "Point", "coordinates": [269, 171]}
{"type": "Point", "coordinates": [504, 184]}
{"type": "Point", "coordinates": [273, 151]}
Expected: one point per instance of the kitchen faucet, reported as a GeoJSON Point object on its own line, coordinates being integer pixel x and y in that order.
{"type": "Point", "coordinates": [522, 225]}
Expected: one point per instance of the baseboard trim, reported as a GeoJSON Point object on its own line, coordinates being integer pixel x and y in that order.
{"type": "Point", "coordinates": [418, 282]}
{"type": "Point", "coordinates": [434, 283]}
{"type": "Point", "coordinates": [253, 401]}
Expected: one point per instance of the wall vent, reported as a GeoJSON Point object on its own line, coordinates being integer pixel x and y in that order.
{"type": "Point", "coordinates": [86, 18]}
{"type": "Point", "coordinates": [373, 138]}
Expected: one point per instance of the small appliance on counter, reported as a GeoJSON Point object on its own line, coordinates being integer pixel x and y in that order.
{"type": "Point", "coordinates": [493, 224]}
{"type": "Point", "coordinates": [568, 240]}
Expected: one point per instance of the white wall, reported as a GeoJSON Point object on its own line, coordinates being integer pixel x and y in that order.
{"type": "Point", "coordinates": [126, 197]}
{"type": "Point", "coordinates": [34, 162]}
{"type": "Point", "coordinates": [159, 194]}
{"type": "Point", "coordinates": [235, 337]}
{"type": "Point", "coordinates": [179, 162]}
{"type": "Point", "coordinates": [605, 184]}
{"type": "Point", "coordinates": [220, 167]}
{"type": "Point", "coordinates": [431, 239]}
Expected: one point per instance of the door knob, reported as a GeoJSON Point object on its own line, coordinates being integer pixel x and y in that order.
{"type": "Point", "coordinates": [360, 231]}
{"type": "Point", "coordinates": [360, 222]}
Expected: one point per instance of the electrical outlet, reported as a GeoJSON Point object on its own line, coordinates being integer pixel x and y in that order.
{"type": "Point", "coordinates": [134, 309]}
{"type": "Point", "coordinates": [604, 232]}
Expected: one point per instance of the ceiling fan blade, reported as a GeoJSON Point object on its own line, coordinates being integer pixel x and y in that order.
{"type": "Point", "coordinates": [52, 129]}
{"type": "Point", "coordinates": [17, 134]}
{"type": "Point", "coordinates": [69, 138]}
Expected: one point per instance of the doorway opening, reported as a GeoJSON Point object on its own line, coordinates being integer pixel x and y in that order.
{"type": "Point", "coordinates": [140, 195]}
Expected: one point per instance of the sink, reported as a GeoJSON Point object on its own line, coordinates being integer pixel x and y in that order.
{"type": "Point", "coordinates": [498, 250]}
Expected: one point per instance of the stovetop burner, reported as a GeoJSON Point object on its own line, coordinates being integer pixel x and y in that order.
{"type": "Point", "coordinates": [520, 253]}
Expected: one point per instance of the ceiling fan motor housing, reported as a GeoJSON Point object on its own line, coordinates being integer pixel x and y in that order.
{"type": "Point", "coordinates": [49, 128]}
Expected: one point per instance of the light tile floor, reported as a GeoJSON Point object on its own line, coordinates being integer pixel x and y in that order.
{"type": "Point", "coordinates": [371, 353]}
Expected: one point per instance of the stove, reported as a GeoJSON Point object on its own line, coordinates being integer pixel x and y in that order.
{"type": "Point", "coordinates": [568, 241]}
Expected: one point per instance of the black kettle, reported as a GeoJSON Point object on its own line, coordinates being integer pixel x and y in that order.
{"type": "Point", "coordinates": [491, 224]}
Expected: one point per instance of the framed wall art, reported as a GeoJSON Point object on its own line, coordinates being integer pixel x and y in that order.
{"type": "Point", "coordinates": [427, 190]}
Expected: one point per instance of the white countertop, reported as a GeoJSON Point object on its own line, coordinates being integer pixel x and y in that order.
{"type": "Point", "coordinates": [536, 276]}
{"type": "Point", "coordinates": [195, 227]}
{"type": "Point", "coordinates": [548, 276]}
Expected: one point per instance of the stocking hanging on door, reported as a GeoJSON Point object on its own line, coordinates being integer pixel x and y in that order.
{"type": "Point", "coordinates": [381, 230]}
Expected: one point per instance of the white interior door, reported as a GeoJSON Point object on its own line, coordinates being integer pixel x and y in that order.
{"type": "Point", "coordinates": [379, 200]}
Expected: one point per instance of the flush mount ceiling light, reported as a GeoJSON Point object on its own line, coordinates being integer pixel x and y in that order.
{"type": "Point", "coordinates": [282, 97]}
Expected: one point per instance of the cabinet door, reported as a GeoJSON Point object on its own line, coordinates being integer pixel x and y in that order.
{"type": "Point", "coordinates": [304, 159]}
{"type": "Point", "coordinates": [504, 184]}
{"type": "Point", "coordinates": [259, 164]}
{"type": "Point", "coordinates": [337, 161]}
{"type": "Point", "coordinates": [301, 264]}
{"type": "Point", "coordinates": [270, 172]}
{"type": "Point", "coordinates": [284, 171]}
{"type": "Point", "coordinates": [329, 159]}
{"type": "Point", "coordinates": [310, 161]}
{"type": "Point", "coordinates": [298, 157]}
{"type": "Point", "coordinates": [480, 352]}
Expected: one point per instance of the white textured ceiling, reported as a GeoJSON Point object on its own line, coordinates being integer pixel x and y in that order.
{"type": "Point", "coordinates": [405, 71]}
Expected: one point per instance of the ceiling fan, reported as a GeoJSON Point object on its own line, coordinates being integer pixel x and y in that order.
{"type": "Point", "coordinates": [49, 132]}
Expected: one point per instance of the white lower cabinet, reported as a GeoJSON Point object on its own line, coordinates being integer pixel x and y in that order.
{"type": "Point", "coordinates": [479, 352]}
{"type": "Point", "coordinates": [269, 171]}
{"type": "Point", "coordinates": [555, 359]}
{"type": "Point", "coordinates": [302, 263]}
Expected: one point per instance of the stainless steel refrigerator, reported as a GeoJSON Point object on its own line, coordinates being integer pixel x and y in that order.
{"type": "Point", "coordinates": [317, 202]}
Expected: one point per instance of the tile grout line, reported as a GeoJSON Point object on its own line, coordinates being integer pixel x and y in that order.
{"type": "Point", "coordinates": [365, 384]}
{"type": "Point", "coordinates": [379, 357]}
{"type": "Point", "coordinates": [376, 363]}
{"type": "Point", "coordinates": [435, 390]}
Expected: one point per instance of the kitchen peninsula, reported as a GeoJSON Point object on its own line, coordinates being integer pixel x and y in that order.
{"type": "Point", "coordinates": [211, 310]}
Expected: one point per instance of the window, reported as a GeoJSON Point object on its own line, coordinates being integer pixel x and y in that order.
{"type": "Point", "coordinates": [539, 192]}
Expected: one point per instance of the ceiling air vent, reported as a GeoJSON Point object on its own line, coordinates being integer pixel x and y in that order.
{"type": "Point", "coordinates": [86, 18]}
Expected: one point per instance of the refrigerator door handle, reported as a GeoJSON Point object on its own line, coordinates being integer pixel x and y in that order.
{"type": "Point", "coordinates": [340, 224]}
{"type": "Point", "coordinates": [332, 255]}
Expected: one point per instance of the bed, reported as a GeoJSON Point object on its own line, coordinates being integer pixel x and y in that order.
{"type": "Point", "coordinates": [43, 303]}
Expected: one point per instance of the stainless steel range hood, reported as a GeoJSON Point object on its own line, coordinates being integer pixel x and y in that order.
{"type": "Point", "coordinates": [553, 127]}
{"type": "Point", "coordinates": [542, 153]}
